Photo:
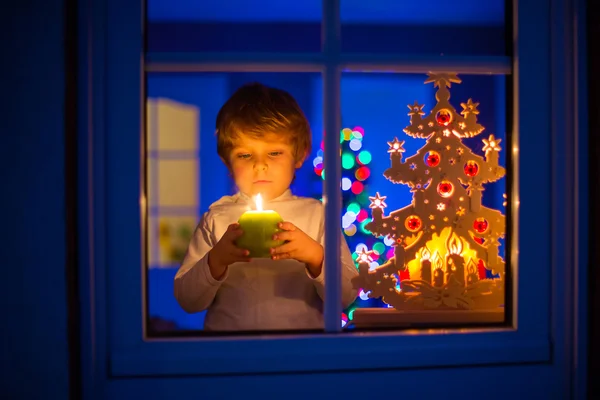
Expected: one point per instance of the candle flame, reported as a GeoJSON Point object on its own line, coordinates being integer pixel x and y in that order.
{"type": "Point", "coordinates": [471, 266]}
{"type": "Point", "coordinates": [437, 261]}
{"type": "Point", "coordinates": [454, 244]}
{"type": "Point", "coordinates": [425, 254]}
{"type": "Point", "coordinates": [258, 202]}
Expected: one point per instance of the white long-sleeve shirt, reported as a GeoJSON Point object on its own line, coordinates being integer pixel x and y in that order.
{"type": "Point", "coordinates": [261, 294]}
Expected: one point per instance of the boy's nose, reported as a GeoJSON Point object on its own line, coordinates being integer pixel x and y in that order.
{"type": "Point", "coordinates": [260, 164]}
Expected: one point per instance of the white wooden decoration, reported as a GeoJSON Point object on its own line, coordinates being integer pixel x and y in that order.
{"type": "Point", "coordinates": [445, 236]}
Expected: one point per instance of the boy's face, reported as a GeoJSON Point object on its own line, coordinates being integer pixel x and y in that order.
{"type": "Point", "coordinates": [264, 166]}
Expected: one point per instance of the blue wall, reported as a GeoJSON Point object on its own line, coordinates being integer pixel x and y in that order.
{"type": "Point", "coordinates": [32, 249]}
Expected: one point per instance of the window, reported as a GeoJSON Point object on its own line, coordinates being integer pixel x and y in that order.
{"type": "Point", "coordinates": [341, 70]}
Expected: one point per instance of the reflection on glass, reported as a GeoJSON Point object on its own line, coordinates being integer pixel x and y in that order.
{"type": "Point", "coordinates": [433, 245]}
{"type": "Point", "coordinates": [434, 27]}
{"type": "Point", "coordinates": [234, 25]}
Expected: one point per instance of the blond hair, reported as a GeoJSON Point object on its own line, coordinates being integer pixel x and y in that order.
{"type": "Point", "coordinates": [256, 111]}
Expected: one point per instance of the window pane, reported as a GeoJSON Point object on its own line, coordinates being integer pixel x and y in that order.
{"type": "Point", "coordinates": [232, 25]}
{"type": "Point", "coordinates": [185, 176]}
{"type": "Point", "coordinates": [438, 203]}
{"type": "Point", "coordinates": [434, 27]}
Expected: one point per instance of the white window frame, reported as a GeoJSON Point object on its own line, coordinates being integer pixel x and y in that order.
{"type": "Point", "coordinates": [112, 192]}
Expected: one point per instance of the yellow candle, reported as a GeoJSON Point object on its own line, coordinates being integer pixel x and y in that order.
{"type": "Point", "coordinates": [259, 226]}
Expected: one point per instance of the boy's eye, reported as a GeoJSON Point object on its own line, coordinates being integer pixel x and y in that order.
{"type": "Point", "coordinates": [275, 153]}
{"type": "Point", "coordinates": [243, 156]}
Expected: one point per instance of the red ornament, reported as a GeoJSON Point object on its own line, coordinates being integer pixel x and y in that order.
{"type": "Point", "coordinates": [432, 159]}
{"type": "Point", "coordinates": [471, 168]}
{"type": "Point", "coordinates": [445, 189]}
{"type": "Point", "coordinates": [480, 225]}
{"type": "Point", "coordinates": [443, 117]}
{"type": "Point", "coordinates": [413, 223]}
{"type": "Point", "coordinates": [404, 275]}
{"type": "Point", "coordinates": [482, 270]}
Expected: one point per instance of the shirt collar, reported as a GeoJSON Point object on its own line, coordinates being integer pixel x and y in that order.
{"type": "Point", "coordinates": [242, 197]}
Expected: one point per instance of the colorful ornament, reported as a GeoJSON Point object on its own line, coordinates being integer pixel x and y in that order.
{"type": "Point", "coordinates": [445, 189]}
{"type": "Point", "coordinates": [432, 159]}
{"type": "Point", "coordinates": [413, 223]}
{"type": "Point", "coordinates": [443, 117]}
{"type": "Point", "coordinates": [480, 225]}
{"type": "Point", "coordinates": [471, 168]}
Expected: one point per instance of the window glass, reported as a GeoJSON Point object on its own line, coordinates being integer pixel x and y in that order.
{"type": "Point", "coordinates": [433, 27]}
{"type": "Point", "coordinates": [233, 26]}
{"type": "Point", "coordinates": [185, 175]}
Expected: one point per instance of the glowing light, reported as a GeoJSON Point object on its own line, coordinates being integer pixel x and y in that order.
{"type": "Point", "coordinates": [362, 226]}
{"type": "Point", "coordinates": [355, 144]}
{"type": "Point", "coordinates": [388, 240]}
{"type": "Point", "coordinates": [379, 248]}
{"type": "Point", "coordinates": [360, 248]}
{"type": "Point", "coordinates": [445, 189]}
{"type": "Point", "coordinates": [351, 314]}
{"type": "Point", "coordinates": [353, 207]}
{"type": "Point", "coordinates": [346, 134]}
{"type": "Point", "coordinates": [425, 254]}
{"type": "Point", "coordinates": [364, 157]}
{"type": "Point", "coordinates": [350, 230]}
{"type": "Point", "coordinates": [317, 161]}
{"type": "Point", "coordinates": [362, 215]}
{"type": "Point", "coordinates": [454, 244]}
{"type": "Point", "coordinates": [259, 203]}
{"type": "Point", "coordinates": [346, 184]}
{"type": "Point", "coordinates": [396, 146]}
{"type": "Point", "coordinates": [362, 173]}
{"type": "Point", "coordinates": [377, 201]}
{"type": "Point", "coordinates": [347, 161]}
{"type": "Point", "coordinates": [364, 296]}
{"type": "Point", "coordinates": [348, 219]}
{"type": "Point", "coordinates": [358, 132]}
{"type": "Point", "coordinates": [357, 187]}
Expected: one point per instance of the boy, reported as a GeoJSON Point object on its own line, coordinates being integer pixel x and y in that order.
{"type": "Point", "coordinates": [262, 137]}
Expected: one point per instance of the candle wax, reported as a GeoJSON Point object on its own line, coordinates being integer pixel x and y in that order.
{"type": "Point", "coordinates": [259, 228]}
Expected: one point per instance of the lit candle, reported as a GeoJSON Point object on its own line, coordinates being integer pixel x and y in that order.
{"type": "Point", "coordinates": [472, 276]}
{"type": "Point", "coordinates": [455, 263]}
{"type": "Point", "coordinates": [259, 226]}
{"type": "Point", "coordinates": [438, 273]}
{"type": "Point", "coordinates": [426, 265]}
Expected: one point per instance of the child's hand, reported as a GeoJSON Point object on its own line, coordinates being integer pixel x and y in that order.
{"type": "Point", "coordinates": [300, 247]}
{"type": "Point", "coordinates": [225, 252]}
